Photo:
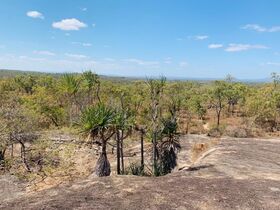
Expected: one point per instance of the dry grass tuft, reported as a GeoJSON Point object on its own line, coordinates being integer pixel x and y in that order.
{"type": "Point", "coordinates": [198, 149]}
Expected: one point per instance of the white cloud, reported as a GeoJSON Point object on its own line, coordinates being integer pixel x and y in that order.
{"type": "Point", "coordinates": [35, 14]}
{"type": "Point", "coordinates": [273, 63]}
{"type": "Point", "coordinates": [141, 62]}
{"type": "Point", "coordinates": [93, 25]}
{"type": "Point", "coordinates": [82, 44]}
{"type": "Point", "coordinates": [243, 47]}
{"type": "Point", "coordinates": [84, 9]}
{"type": "Point", "coordinates": [259, 28]}
{"type": "Point", "coordinates": [76, 56]}
{"type": "Point", "coordinates": [27, 58]}
{"type": "Point", "coordinates": [44, 52]}
{"type": "Point", "coordinates": [109, 59]}
{"type": "Point", "coordinates": [69, 25]}
{"type": "Point", "coordinates": [183, 64]}
{"type": "Point", "coordinates": [201, 37]}
{"type": "Point", "coordinates": [168, 60]}
{"type": "Point", "coordinates": [215, 46]}
{"type": "Point", "coordinates": [87, 44]}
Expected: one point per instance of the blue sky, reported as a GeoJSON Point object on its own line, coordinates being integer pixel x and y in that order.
{"type": "Point", "coordinates": [175, 38]}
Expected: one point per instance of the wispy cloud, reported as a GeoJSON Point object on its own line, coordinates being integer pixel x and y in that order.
{"type": "Point", "coordinates": [201, 37]}
{"type": "Point", "coordinates": [76, 56]}
{"type": "Point", "coordinates": [27, 58]}
{"type": "Point", "coordinates": [84, 9]}
{"type": "Point", "coordinates": [82, 44]}
{"type": "Point", "coordinates": [168, 60]}
{"type": "Point", "coordinates": [141, 62]}
{"type": "Point", "coordinates": [35, 14]}
{"type": "Point", "coordinates": [110, 59]}
{"type": "Point", "coordinates": [44, 52]}
{"type": "Point", "coordinates": [69, 25]}
{"type": "Point", "coordinates": [243, 47]}
{"type": "Point", "coordinates": [183, 64]}
{"type": "Point", "coordinates": [259, 28]}
{"type": "Point", "coordinates": [197, 38]}
{"type": "Point", "coordinates": [273, 63]}
{"type": "Point", "coordinates": [93, 25]}
{"type": "Point", "coordinates": [215, 46]}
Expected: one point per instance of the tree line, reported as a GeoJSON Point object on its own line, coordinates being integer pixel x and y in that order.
{"type": "Point", "coordinates": [153, 110]}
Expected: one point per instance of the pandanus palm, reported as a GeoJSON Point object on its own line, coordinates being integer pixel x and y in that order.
{"type": "Point", "coordinates": [70, 85]}
{"type": "Point", "coordinates": [97, 122]}
{"type": "Point", "coordinates": [169, 146]}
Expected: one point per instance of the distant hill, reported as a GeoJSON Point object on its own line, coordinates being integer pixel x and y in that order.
{"type": "Point", "coordinates": [12, 73]}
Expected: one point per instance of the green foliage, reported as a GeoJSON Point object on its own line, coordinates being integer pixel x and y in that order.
{"type": "Point", "coordinates": [96, 120]}
{"type": "Point", "coordinates": [135, 169]}
{"type": "Point", "coordinates": [101, 107]}
{"type": "Point", "coordinates": [70, 84]}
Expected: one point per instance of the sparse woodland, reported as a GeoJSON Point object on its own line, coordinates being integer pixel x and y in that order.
{"type": "Point", "coordinates": [110, 114]}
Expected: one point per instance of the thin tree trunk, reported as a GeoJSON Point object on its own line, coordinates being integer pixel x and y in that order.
{"type": "Point", "coordinates": [2, 155]}
{"type": "Point", "coordinates": [23, 156]}
{"type": "Point", "coordinates": [118, 152]}
{"type": "Point", "coordinates": [12, 151]}
{"type": "Point", "coordinates": [142, 149]}
{"type": "Point", "coordinates": [122, 160]}
{"type": "Point", "coordinates": [218, 117]}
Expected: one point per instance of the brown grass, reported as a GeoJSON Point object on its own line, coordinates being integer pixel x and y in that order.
{"type": "Point", "coordinates": [198, 149]}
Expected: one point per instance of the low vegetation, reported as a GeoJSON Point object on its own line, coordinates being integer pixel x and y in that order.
{"type": "Point", "coordinates": [113, 113]}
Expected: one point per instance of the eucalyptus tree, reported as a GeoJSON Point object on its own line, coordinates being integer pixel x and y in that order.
{"type": "Point", "coordinates": [275, 79]}
{"type": "Point", "coordinates": [26, 83]}
{"type": "Point", "coordinates": [98, 123]}
{"type": "Point", "coordinates": [235, 93]}
{"type": "Point", "coordinates": [156, 88]}
{"type": "Point", "coordinates": [217, 96]}
{"type": "Point", "coordinates": [17, 126]}
{"type": "Point", "coordinates": [124, 123]}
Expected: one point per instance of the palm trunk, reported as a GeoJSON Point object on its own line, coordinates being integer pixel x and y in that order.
{"type": "Point", "coordinates": [155, 153]}
{"type": "Point", "coordinates": [103, 167]}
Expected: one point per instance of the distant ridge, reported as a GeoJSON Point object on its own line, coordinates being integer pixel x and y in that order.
{"type": "Point", "coordinates": [11, 73]}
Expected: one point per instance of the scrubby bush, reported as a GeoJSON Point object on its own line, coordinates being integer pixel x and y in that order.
{"type": "Point", "coordinates": [237, 132]}
{"type": "Point", "coordinates": [136, 169]}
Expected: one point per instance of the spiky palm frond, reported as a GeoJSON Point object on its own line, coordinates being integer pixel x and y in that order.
{"type": "Point", "coordinates": [70, 83]}
{"type": "Point", "coordinates": [96, 119]}
{"type": "Point", "coordinates": [90, 79]}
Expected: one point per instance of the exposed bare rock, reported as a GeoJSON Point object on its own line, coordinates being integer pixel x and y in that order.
{"type": "Point", "coordinates": [231, 174]}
